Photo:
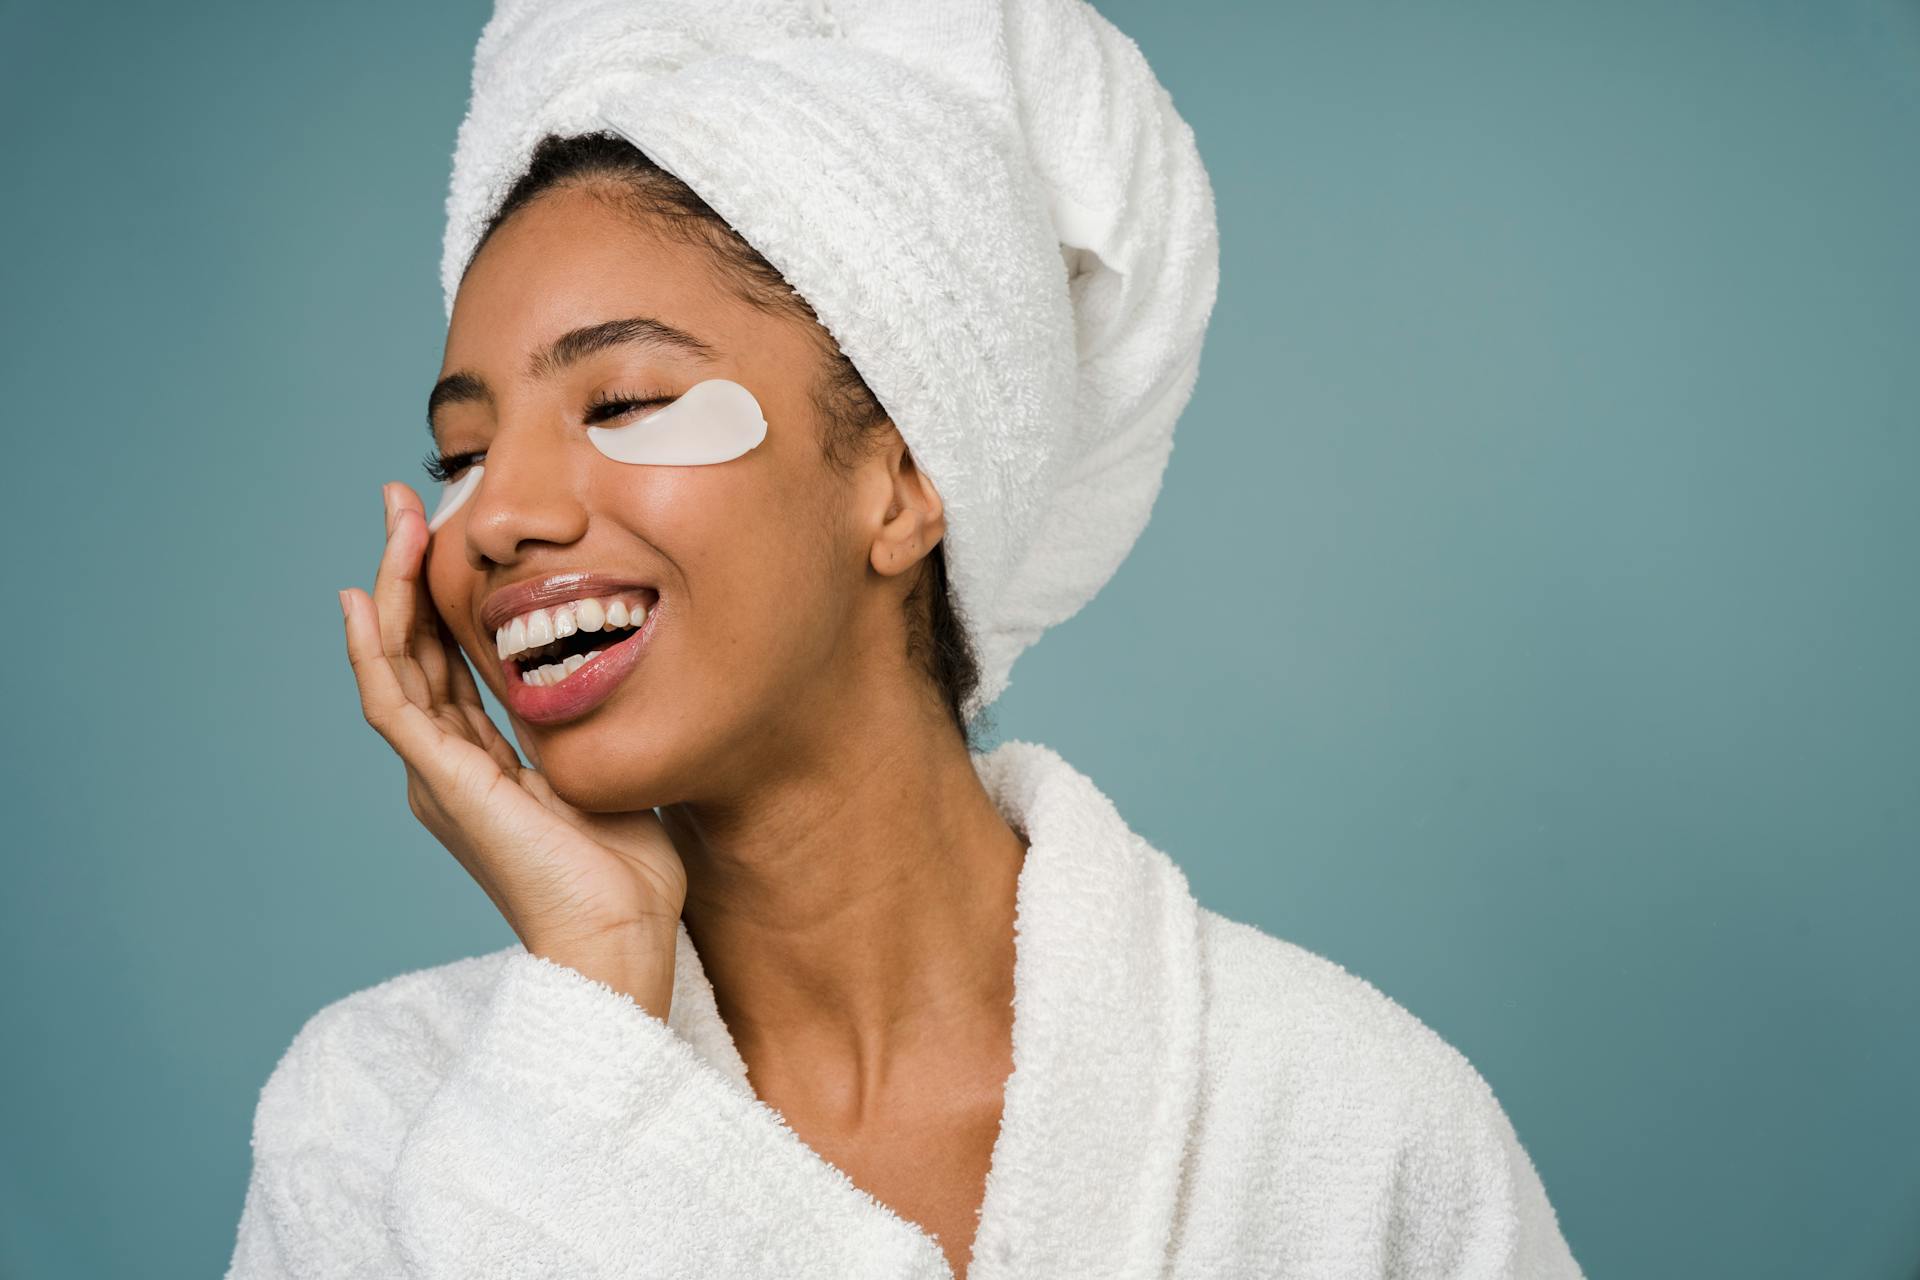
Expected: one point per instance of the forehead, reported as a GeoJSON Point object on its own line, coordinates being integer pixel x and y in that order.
{"type": "Point", "coordinates": [573, 259]}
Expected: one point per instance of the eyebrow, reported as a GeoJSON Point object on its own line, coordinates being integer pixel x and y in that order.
{"type": "Point", "coordinates": [463, 387]}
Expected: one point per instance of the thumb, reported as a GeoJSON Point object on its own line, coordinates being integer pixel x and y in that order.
{"type": "Point", "coordinates": [524, 737]}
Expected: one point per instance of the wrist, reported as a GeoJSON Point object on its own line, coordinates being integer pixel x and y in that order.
{"type": "Point", "coordinates": [635, 960]}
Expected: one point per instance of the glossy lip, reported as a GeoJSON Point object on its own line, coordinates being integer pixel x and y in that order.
{"type": "Point", "coordinates": [586, 688]}
{"type": "Point", "coordinates": [509, 602]}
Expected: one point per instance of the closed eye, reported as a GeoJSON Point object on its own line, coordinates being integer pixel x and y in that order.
{"type": "Point", "coordinates": [619, 406]}
{"type": "Point", "coordinates": [445, 466]}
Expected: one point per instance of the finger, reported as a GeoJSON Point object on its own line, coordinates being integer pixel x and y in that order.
{"type": "Point", "coordinates": [384, 700]}
{"type": "Point", "coordinates": [396, 598]}
{"type": "Point", "coordinates": [461, 687]}
{"type": "Point", "coordinates": [493, 742]}
{"type": "Point", "coordinates": [398, 577]}
{"type": "Point", "coordinates": [431, 643]}
{"type": "Point", "coordinates": [450, 769]}
{"type": "Point", "coordinates": [430, 646]}
{"type": "Point", "coordinates": [465, 696]}
{"type": "Point", "coordinates": [401, 497]}
{"type": "Point", "coordinates": [525, 739]}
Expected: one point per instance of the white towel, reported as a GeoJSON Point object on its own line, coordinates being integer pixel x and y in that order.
{"type": "Point", "coordinates": [991, 204]}
{"type": "Point", "coordinates": [1191, 1099]}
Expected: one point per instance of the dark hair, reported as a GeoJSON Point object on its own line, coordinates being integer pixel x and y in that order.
{"type": "Point", "coordinates": [854, 421]}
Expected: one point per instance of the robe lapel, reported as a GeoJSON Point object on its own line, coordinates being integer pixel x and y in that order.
{"type": "Point", "coordinates": [1106, 1041]}
{"type": "Point", "coordinates": [1106, 1038]}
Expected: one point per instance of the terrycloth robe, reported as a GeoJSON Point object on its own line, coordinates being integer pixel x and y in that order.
{"type": "Point", "coordinates": [1190, 1097]}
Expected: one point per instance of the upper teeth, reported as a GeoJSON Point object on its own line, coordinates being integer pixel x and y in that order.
{"type": "Point", "coordinates": [544, 626]}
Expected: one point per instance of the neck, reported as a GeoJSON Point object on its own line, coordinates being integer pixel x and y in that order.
{"type": "Point", "coordinates": [858, 908]}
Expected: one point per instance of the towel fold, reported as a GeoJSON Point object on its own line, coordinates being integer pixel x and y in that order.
{"type": "Point", "coordinates": [992, 205]}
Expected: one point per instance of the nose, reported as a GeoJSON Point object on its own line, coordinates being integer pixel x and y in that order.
{"type": "Point", "coordinates": [528, 495]}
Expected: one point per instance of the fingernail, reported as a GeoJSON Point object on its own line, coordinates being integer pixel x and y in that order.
{"type": "Point", "coordinates": [343, 604]}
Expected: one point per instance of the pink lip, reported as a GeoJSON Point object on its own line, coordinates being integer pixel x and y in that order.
{"type": "Point", "coordinates": [586, 688]}
{"type": "Point", "coordinates": [510, 602]}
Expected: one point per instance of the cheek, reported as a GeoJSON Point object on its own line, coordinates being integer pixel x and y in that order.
{"type": "Point", "coordinates": [721, 524]}
{"type": "Point", "coordinates": [450, 584]}
{"type": "Point", "coordinates": [756, 550]}
{"type": "Point", "coordinates": [763, 563]}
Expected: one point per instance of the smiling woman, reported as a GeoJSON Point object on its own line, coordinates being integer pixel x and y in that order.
{"type": "Point", "coordinates": [781, 554]}
{"type": "Point", "coordinates": [754, 497]}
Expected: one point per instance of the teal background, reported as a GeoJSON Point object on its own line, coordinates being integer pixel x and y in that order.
{"type": "Point", "coordinates": [1528, 622]}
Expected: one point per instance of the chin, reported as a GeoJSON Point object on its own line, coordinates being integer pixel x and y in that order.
{"type": "Point", "coordinates": [591, 778]}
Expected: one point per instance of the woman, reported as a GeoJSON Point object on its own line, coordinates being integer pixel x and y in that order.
{"type": "Point", "coordinates": [768, 447]}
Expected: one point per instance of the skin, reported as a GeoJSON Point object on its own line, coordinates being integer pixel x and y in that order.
{"type": "Point", "coordinates": [849, 883]}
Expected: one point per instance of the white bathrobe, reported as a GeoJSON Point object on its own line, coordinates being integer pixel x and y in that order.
{"type": "Point", "coordinates": [1190, 1097]}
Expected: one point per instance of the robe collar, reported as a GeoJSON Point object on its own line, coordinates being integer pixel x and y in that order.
{"type": "Point", "coordinates": [1108, 998]}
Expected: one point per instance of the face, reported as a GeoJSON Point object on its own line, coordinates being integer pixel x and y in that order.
{"type": "Point", "coordinates": [773, 582]}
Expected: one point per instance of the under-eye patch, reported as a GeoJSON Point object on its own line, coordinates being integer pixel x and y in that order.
{"type": "Point", "coordinates": [713, 421]}
{"type": "Point", "coordinates": [716, 420]}
{"type": "Point", "coordinates": [453, 493]}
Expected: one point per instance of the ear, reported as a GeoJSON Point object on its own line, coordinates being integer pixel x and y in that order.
{"type": "Point", "coordinates": [916, 519]}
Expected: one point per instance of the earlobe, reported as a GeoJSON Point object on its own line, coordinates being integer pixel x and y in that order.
{"type": "Point", "coordinates": [915, 519]}
{"type": "Point", "coordinates": [905, 540]}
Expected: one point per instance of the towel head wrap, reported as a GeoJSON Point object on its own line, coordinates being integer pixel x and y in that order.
{"type": "Point", "coordinates": [992, 206]}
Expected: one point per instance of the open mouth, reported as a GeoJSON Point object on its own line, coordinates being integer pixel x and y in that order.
{"type": "Point", "coordinates": [546, 647]}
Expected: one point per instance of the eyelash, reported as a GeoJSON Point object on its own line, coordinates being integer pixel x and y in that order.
{"type": "Point", "coordinates": [443, 467]}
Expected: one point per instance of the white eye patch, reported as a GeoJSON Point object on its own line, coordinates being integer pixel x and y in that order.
{"type": "Point", "coordinates": [716, 420]}
{"type": "Point", "coordinates": [453, 493]}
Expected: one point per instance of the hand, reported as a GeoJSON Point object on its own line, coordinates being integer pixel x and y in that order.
{"type": "Point", "coordinates": [601, 894]}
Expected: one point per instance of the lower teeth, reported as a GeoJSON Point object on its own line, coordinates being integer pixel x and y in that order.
{"type": "Point", "coordinates": [554, 672]}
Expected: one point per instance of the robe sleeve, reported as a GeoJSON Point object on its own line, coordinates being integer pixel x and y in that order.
{"type": "Point", "coordinates": [1539, 1249]}
{"type": "Point", "coordinates": [572, 1134]}
{"type": "Point", "coordinates": [1472, 1204]}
